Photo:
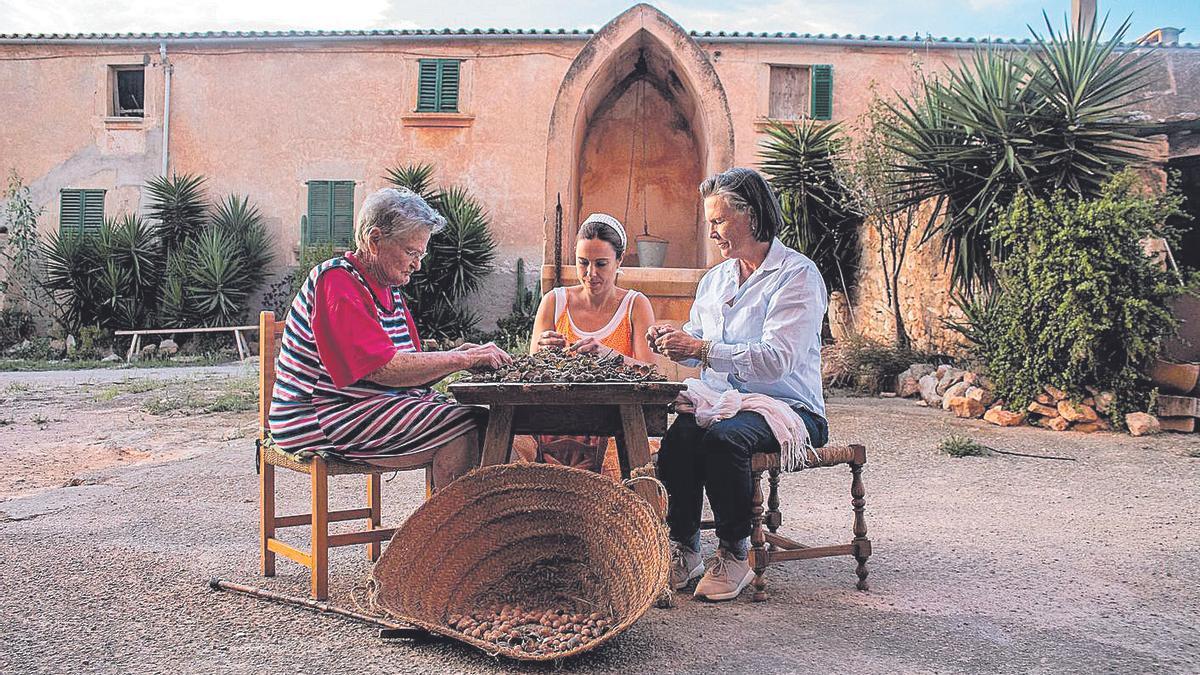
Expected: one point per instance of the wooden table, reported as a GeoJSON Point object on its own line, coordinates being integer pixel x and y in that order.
{"type": "Point", "coordinates": [629, 411]}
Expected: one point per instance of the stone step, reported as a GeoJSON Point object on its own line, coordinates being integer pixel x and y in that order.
{"type": "Point", "coordinates": [1186, 425]}
{"type": "Point", "coordinates": [1178, 406]}
{"type": "Point", "coordinates": [1176, 378]}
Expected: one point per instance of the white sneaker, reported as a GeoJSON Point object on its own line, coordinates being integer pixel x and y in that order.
{"type": "Point", "coordinates": [686, 565]}
{"type": "Point", "coordinates": [725, 578]}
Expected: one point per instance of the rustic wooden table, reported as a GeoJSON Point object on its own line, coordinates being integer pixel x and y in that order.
{"type": "Point", "coordinates": [629, 411]}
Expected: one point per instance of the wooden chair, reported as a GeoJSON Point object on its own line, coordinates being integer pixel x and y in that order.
{"type": "Point", "coordinates": [768, 548]}
{"type": "Point", "coordinates": [270, 335]}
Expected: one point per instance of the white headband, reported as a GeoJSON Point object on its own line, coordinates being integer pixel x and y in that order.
{"type": "Point", "coordinates": [611, 222]}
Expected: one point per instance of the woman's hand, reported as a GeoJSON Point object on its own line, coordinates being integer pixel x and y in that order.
{"type": "Point", "coordinates": [675, 344]}
{"type": "Point", "coordinates": [590, 345]}
{"type": "Point", "coordinates": [487, 357]}
{"type": "Point", "coordinates": [551, 338]}
{"type": "Point", "coordinates": [464, 347]}
{"type": "Point", "coordinates": [653, 333]}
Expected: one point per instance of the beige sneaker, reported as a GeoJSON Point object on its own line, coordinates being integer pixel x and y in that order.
{"type": "Point", "coordinates": [686, 565]}
{"type": "Point", "coordinates": [725, 578]}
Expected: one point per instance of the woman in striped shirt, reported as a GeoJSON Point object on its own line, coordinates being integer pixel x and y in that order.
{"type": "Point", "coordinates": [353, 383]}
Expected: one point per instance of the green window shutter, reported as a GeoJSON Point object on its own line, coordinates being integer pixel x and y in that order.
{"type": "Point", "coordinates": [448, 91]}
{"type": "Point", "coordinates": [822, 92]}
{"type": "Point", "coordinates": [437, 86]}
{"type": "Point", "coordinates": [93, 211]}
{"type": "Point", "coordinates": [70, 211]}
{"type": "Point", "coordinates": [81, 211]}
{"type": "Point", "coordinates": [342, 208]}
{"type": "Point", "coordinates": [320, 212]}
{"type": "Point", "coordinates": [427, 87]}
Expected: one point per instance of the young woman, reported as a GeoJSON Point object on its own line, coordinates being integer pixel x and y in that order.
{"type": "Point", "coordinates": [594, 316]}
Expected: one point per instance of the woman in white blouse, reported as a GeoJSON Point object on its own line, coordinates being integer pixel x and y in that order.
{"type": "Point", "coordinates": [755, 327]}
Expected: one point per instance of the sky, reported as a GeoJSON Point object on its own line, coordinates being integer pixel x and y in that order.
{"type": "Point", "coordinates": [952, 18]}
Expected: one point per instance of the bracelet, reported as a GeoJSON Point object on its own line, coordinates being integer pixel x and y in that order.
{"type": "Point", "coordinates": [705, 346]}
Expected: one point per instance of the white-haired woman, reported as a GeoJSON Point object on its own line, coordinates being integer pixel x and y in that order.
{"type": "Point", "coordinates": [352, 379]}
{"type": "Point", "coordinates": [594, 316]}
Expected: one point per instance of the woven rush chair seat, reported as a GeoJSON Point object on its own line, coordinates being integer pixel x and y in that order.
{"type": "Point", "coordinates": [319, 469]}
{"type": "Point", "coordinates": [537, 536]}
{"type": "Point", "coordinates": [768, 547]}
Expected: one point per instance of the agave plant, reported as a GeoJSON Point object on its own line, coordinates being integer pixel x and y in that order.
{"type": "Point", "coordinates": [1008, 121]}
{"type": "Point", "coordinates": [178, 204]}
{"type": "Point", "coordinates": [799, 162]}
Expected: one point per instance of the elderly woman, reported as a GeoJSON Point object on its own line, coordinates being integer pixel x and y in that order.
{"type": "Point", "coordinates": [755, 332]}
{"type": "Point", "coordinates": [352, 379]}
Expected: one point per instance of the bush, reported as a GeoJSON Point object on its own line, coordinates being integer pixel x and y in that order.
{"type": "Point", "coordinates": [460, 257]}
{"type": "Point", "coordinates": [1079, 304]}
{"type": "Point", "coordinates": [961, 446]}
{"type": "Point", "coordinates": [867, 366]}
{"type": "Point", "coordinates": [15, 326]}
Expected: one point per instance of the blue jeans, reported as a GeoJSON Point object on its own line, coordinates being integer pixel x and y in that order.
{"type": "Point", "coordinates": [694, 460]}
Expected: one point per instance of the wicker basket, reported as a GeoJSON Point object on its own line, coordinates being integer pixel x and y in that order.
{"type": "Point", "coordinates": [484, 535]}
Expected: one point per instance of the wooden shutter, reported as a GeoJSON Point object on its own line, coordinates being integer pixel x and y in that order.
{"type": "Point", "coordinates": [93, 211]}
{"type": "Point", "coordinates": [822, 92]}
{"type": "Point", "coordinates": [342, 209]}
{"type": "Point", "coordinates": [320, 212]}
{"type": "Point", "coordinates": [80, 211]}
{"type": "Point", "coordinates": [427, 87]}
{"type": "Point", "coordinates": [70, 211]}
{"type": "Point", "coordinates": [448, 88]}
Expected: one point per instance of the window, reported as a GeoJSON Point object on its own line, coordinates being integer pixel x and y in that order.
{"type": "Point", "coordinates": [801, 91]}
{"type": "Point", "coordinates": [437, 87]}
{"type": "Point", "coordinates": [128, 85]}
{"type": "Point", "coordinates": [80, 211]}
{"type": "Point", "coordinates": [330, 213]}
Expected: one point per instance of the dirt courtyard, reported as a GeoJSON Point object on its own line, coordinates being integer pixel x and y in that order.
{"type": "Point", "coordinates": [125, 491]}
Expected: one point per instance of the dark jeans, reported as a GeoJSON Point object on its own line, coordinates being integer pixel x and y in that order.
{"type": "Point", "coordinates": [694, 460]}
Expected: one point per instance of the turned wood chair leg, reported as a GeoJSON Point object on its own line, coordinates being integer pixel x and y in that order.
{"type": "Point", "coordinates": [266, 505]}
{"type": "Point", "coordinates": [375, 506]}
{"type": "Point", "coordinates": [862, 545]}
{"type": "Point", "coordinates": [774, 516]}
{"type": "Point", "coordinates": [320, 529]}
{"type": "Point", "coordinates": [758, 550]}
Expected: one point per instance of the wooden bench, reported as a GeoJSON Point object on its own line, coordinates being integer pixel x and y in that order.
{"type": "Point", "coordinates": [136, 342]}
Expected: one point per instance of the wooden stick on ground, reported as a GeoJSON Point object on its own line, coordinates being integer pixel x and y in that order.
{"type": "Point", "coordinates": [387, 628]}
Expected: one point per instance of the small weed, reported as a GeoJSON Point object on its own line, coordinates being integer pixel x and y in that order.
{"type": "Point", "coordinates": [233, 395]}
{"type": "Point", "coordinates": [106, 395]}
{"type": "Point", "coordinates": [17, 388]}
{"type": "Point", "coordinates": [961, 446]}
{"type": "Point", "coordinates": [234, 402]}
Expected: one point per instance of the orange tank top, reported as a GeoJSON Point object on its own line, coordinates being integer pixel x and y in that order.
{"type": "Point", "coordinates": [617, 334]}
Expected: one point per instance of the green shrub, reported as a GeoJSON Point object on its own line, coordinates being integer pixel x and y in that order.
{"type": "Point", "coordinates": [961, 446]}
{"type": "Point", "coordinates": [1078, 303]}
{"type": "Point", "coordinates": [16, 325]}
{"type": "Point", "coordinates": [460, 257]}
{"type": "Point", "coordinates": [867, 366]}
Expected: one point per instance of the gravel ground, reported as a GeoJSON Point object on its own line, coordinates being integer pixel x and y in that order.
{"type": "Point", "coordinates": [982, 564]}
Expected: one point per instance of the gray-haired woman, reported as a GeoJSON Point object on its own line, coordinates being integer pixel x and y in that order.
{"type": "Point", "coordinates": [352, 379]}
{"type": "Point", "coordinates": [755, 332]}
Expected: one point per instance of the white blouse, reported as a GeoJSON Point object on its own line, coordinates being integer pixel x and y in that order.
{"type": "Point", "coordinates": [765, 333]}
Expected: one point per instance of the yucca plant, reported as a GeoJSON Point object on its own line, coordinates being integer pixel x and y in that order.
{"type": "Point", "coordinates": [172, 299]}
{"type": "Point", "coordinates": [72, 262]}
{"type": "Point", "coordinates": [242, 222]}
{"type": "Point", "coordinates": [214, 290]}
{"type": "Point", "coordinates": [178, 204]}
{"type": "Point", "coordinates": [460, 257]}
{"type": "Point", "coordinates": [1006, 121]}
{"type": "Point", "coordinates": [798, 160]}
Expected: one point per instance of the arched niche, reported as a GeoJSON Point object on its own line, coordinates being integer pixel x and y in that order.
{"type": "Point", "coordinates": [593, 130]}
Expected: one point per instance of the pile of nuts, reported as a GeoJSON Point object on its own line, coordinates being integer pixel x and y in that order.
{"type": "Point", "coordinates": [532, 631]}
{"type": "Point", "coordinates": [559, 365]}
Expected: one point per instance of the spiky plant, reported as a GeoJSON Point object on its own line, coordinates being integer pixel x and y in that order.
{"type": "Point", "coordinates": [178, 204]}
{"type": "Point", "coordinates": [419, 179]}
{"type": "Point", "coordinates": [243, 223]}
{"type": "Point", "coordinates": [1009, 121]}
{"type": "Point", "coordinates": [798, 160]}
{"type": "Point", "coordinates": [215, 293]}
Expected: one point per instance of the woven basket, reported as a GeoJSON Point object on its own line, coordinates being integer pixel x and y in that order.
{"type": "Point", "coordinates": [481, 536]}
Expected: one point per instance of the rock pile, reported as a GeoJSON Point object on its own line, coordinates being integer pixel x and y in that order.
{"type": "Point", "coordinates": [971, 395]}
